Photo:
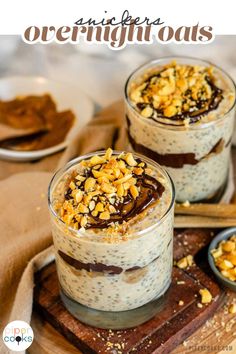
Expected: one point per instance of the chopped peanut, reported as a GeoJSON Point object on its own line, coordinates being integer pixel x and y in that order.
{"type": "Point", "coordinates": [182, 263]}
{"type": "Point", "coordinates": [101, 186]}
{"type": "Point", "coordinates": [108, 188]}
{"type": "Point", "coordinates": [83, 221]}
{"type": "Point", "coordinates": [99, 207]}
{"type": "Point", "coordinates": [134, 191]}
{"type": "Point", "coordinates": [83, 209]}
{"type": "Point", "coordinates": [190, 260]}
{"type": "Point", "coordinates": [92, 205]}
{"type": "Point", "coordinates": [89, 184]}
{"type": "Point", "coordinates": [147, 112]}
{"type": "Point", "coordinates": [138, 170]}
{"type": "Point", "coordinates": [120, 190]}
{"type": "Point", "coordinates": [96, 160]}
{"type": "Point", "coordinates": [72, 185]}
{"type": "Point", "coordinates": [108, 154]}
{"type": "Point", "coordinates": [123, 179]}
{"type": "Point", "coordinates": [206, 296]}
{"type": "Point", "coordinates": [225, 258]}
{"type": "Point", "coordinates": [130, 159]}
{"type": "Point", "coordinates": [78, 196]}
{"type": "Point", "coordinates": [185, 262]}
{"type": "Point", "coordinates": [232, 308]}
{"type": "Point", "coordinates": [228, 246]}
{"type": "Point", "coordinates": [104, 215]}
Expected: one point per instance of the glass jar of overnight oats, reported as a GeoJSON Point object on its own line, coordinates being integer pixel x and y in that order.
{"type": "Point", "coordinates": [180, 112]}
{"type": "Point", "coordinates": [112, 225]}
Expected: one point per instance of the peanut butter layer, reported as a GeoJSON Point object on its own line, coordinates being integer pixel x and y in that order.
{"type": "Point", "coordinates": [177, 92]}
{"type": "Point", "coordinates": [109, 191]}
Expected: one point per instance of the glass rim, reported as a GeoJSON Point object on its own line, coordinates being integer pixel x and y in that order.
{"type": "Point", "coordinates": [87, 233]}
{"type": "Point", "coordinates": [193, 126]}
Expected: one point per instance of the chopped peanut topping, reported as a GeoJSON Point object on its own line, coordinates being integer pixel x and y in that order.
{"type": "Point", "coordinates": [225, 258]}
{"type": "Point", "coordinates": [206, 296]}
{"type": "Point", "coordinates": [176, 90]}
{"type": "Point", "coordinates": [134, 191]}
{"type": "Point", "coordinates": [105, 215]}
{"type": "Point", "coordinates": [89, 184]}
{"type": "Point", "coordinates": [232, 308]}
{"type": "Point", "coordinates": [185, 262]}
{"type": "Point", "coordinates": [104, 185]}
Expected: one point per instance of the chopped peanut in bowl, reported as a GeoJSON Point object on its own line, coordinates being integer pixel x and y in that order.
{"type": "Point", "coordinates": [225, 258]}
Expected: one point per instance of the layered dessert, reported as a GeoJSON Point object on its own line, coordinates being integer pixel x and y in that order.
{"type": "Point", "coordinates": [181, 114]}
{"type": "Point", "coordinates": [112, 222]}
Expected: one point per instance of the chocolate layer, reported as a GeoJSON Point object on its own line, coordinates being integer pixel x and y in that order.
{"type": "Point", "coordinates": [90, 267]}
{"type": "Point", "coordinates": [96, 267]}
{"type": "Point", "coordinates": [173, 160]}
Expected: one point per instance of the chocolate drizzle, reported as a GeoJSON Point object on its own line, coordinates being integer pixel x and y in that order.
{"type": "Point", "coordinates": [202, 106]}
{"type": "Point", "coordinates": [126, 207]}
{"type": "Point", "coordinates": [150, 191]}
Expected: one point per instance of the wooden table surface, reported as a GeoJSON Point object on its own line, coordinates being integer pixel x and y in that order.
{"type": "Point", "coordinates": [218, 335]}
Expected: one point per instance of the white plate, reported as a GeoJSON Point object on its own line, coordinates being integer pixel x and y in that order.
{"type": "Point", "coordinates": [66, 96]}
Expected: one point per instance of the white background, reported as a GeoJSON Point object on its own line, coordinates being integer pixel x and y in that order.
{"type": "Point", "coordinates": [16, 15]}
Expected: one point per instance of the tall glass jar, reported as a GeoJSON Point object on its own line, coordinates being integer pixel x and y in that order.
{"type": "Point", "coordinates": [104, 279]}
{"type": "Point", "coordinates": [196, 155]}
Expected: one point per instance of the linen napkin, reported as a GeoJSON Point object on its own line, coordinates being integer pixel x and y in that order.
{"type": "Point", "coordinates": [25, 226]}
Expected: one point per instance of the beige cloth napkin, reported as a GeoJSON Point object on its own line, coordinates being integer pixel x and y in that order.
{"type": "Point", "coordinates": [25, 225]}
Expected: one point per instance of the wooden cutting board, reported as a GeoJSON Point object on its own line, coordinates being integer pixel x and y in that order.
{"type": "Point", "coordinates": [159, 335]}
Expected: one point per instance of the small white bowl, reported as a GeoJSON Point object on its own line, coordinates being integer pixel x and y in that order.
{"type": "Point", "coordinates": [66, 96]}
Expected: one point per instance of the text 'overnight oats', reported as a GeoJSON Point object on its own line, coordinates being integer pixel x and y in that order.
{"type": "Point", "coordinates": [112, 219]}
{"type": "Point", "coordinates": [181, 114]}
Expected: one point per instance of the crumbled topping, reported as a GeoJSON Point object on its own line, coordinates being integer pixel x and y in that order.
{"type": "Point", "coordinates": [185, 262]}
{"type": "Point", "coordinates": [232, 308]}
{"type": "Point", "coordinates": [180, 282]}
{"type": "Point", "coordinates": [225, 258]}
{"type": "Point", "coordinates": [206, 296]}
{"type": "Point", "coordinates": [177, 91]}
{"type": "Point", "coordinates": [107, 191]}
{"type": "Point", "coordinates": [186, 204]}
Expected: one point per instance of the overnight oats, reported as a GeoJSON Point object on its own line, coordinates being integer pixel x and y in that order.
{"type": "Point", "coordinates": [180, 112]}
{"type": "Point", "coordinates": [112, 223]}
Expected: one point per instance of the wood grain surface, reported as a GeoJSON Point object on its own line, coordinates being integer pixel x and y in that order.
{"type": "Point", "coordinates": [159, 335]}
